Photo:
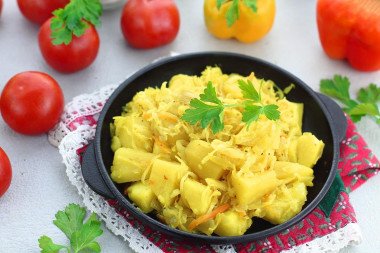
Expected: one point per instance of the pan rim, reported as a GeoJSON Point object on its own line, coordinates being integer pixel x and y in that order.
{"type": "Point", "coordinates": [200, 237]}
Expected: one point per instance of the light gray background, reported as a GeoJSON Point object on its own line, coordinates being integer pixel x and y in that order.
{"type": "Point", "coordinates": [40, 187]}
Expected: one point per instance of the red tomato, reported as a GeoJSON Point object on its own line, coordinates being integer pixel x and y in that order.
{"type": "Point", "coordinates": [5, 172]}
{"type": "Point", "coordinates": [77, 55]}
{"type": "Point", "coordinates": [38, 11]}
{"type": "Point", "coordinates": [1, 5]}
{"type": "Point", "coordinates": [31, 102]}
{"type": "Point", "coordinates": [150, 23]}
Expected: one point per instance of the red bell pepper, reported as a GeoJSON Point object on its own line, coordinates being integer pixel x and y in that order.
{"type": "Point", "coordinates": [350, 29]}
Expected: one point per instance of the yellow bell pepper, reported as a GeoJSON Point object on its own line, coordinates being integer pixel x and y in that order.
{"type": "Point", "coordinates": [245, 20]}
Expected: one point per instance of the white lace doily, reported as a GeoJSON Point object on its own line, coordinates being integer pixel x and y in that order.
{"type": "Point", "coordinates": [70, 135]}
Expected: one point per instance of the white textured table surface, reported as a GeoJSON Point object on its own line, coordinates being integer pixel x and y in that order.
{"type": "Point", "coordinates": [40, 187]}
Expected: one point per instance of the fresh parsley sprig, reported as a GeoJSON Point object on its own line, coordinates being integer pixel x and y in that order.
{"type": "Point", "coordinates": [73, 19]}
{"type": "Point", "coordinates": [232, 13]}
{"type": "Point", "coordinates": [81, 234]}
{"type": "Point", "coordinates": [356, 109]}
{"type": "Point", "coordinates": [208, 110]}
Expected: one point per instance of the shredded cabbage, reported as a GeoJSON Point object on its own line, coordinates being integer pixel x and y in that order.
{"type": "Point", "coordinates": [182, 172]}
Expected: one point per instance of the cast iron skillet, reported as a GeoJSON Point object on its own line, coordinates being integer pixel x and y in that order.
{"type": "Point", "coordinates": [322, 117]}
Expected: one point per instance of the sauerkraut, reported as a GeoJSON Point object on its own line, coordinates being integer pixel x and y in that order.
{"type": "Point", "coordinates": [201, 182]}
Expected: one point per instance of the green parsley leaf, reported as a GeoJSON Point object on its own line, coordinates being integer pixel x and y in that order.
{"type": "Point", "coordinates": [83, 238]}
{"type": "Point", "coordinates": [251, 4]}
{"type": "Point", "coordinates": [47, 245]}
{"type": "Point", "coordinates": [365, 108]}
{"type": "Point", "coordinates": [232, 13]}
{"type": "Point", "coordinates": [271, 112]}
{"type": "Point", "coordinates": [73, 19]}
{"type": "Point", "coordinates": [249, 91]}
{"type": "Point", "coordinates": [369, 95]}
{"type": "Point", "coordinates": [212, 114]}
{"type": "Point", "coordinates": [209, 95]}
{"type": "Point", "coordinates": [219, 3]}
{"type": "Point", "coordinates": [252, 113]}
{"type": "Point", "coordinates": [81, 235]}
{"type": "Point", "coordinates": [366, 98]}
{"type": "Point", "coordinates": [205, 113]}
{"type": "Point", "coordinates": [337, 88]}
{"type": "Point", "coordinates": [70, 220]}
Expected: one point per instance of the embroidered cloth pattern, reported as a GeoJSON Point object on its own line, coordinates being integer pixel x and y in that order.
{"type": "Point", "coordinates": [321, 231]}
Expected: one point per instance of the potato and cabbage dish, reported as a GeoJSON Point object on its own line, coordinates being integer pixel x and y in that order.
{"type": "Point", "coordinates": [201, 182]}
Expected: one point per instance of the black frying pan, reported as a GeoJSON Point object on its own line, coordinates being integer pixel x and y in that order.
{"type": "Point", "coordinates": [322, 117]}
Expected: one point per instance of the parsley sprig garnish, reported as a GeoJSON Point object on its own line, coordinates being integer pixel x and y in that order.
{"type": "Point", "coordinates": [72, 19]}
{"type": "Point", "coordinates": [356, 109]}
{"type": "Point", "coordinates": [81, 234]}
{"type": "Point", "coordinates": [208, 110]}
{"type": "Point", "coordinates": [232, 13]}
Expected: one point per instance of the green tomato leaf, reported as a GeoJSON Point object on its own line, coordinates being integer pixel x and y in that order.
{"type": "Point", "coordinates": [47, 246]}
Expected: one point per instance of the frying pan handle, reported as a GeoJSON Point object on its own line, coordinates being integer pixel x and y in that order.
{"type": "Point", "coordinates": [338, 117]}
{"type": "Point", "coordinates": [91, 173]}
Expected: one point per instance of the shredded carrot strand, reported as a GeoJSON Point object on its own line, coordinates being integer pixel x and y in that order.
{"type": "Point", "coordinates": [242, 214]}
{"type": "Point", "coordinates": [168, 116]}
{"type": "Point", "coordinates": [147, 115]}
{"type": "Point", "coordinates": [208, 216]}
{"type": "Point", "coordinates": [161, 145]}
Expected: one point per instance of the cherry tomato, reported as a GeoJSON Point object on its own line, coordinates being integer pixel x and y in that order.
{"type": "Point", "coordinates": [38, 11]}
{"type": "Point", "coordinates": [31, 102]}
{"type": "Point", "coordinates": [77, 55]}
{"type": "Point", "coordinates": [5, 172]}
{"type": "Point", "coordinates": [150, 23]}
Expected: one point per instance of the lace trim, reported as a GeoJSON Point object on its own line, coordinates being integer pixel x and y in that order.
{"type": "Point", "coordinates": [333, 242]}
{"type": "Point", "coordinates": [80, 106]}
{"type": "Point", "coordinates": [94, 202]}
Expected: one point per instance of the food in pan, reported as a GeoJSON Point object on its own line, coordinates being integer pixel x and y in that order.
{"type": "Point", "coordinates": [199, 180]}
